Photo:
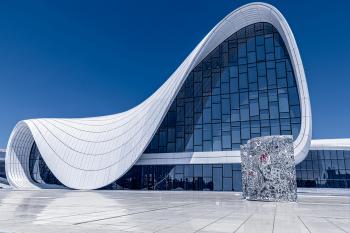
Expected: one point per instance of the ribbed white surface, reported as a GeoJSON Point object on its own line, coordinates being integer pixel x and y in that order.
{"type": "Point", "coordinates": [89, 153]}
{"type": "Point", "coordinates": [330, 144]}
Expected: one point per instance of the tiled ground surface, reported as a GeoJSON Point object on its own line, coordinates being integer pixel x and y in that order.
{"type": "Point", "coordinates": [66, 211]}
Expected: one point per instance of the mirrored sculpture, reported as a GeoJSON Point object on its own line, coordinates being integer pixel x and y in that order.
{"type": "Point", "coordinates": [268, 169]}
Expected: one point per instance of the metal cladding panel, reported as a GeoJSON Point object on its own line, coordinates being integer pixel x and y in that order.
{"type": "Point", "coordinates": [89, 153]}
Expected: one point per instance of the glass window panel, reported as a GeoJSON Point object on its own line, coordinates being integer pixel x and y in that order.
{"type": "Point", "coordinates": [244, 98]}
{"type": "Point", "coordinates": [206, 85]}
{"type": "Point", "coordinates": [179, 169]}
{"type": "Point", "coordinates": [234, 71]}
{"type": "Point", "coordinates": [171, 134]}
{"type": "Point", "coordinates": [198, 104]}
{"type": "Point", "coordinates": [225, 106]}
{"type": "Point", "coordinates": [251, 57]}
{"type": "Point", "coordinates": [269, 45]}
{"type": "Point", "coordinates": [254, 107]}
{"type": "Point", "coordinates": [179, 144]}
{"type": "Point", "coordinates": [207, 115]}
{"type": "Point", "coordinates": [217, 144]}
{"type": "Point", "coordinates": [263, 101]}
{"type": "Point", "coordinates": [171, 147]}
{"type": "Point", "coordinates": [274, 114]}
{"type": "Point", "coordinates": [237, 181]}
{"type": "Point", "coordinates": [245, 130]}
{"type": "Point", "coordinates": [215, 77]}
{"type": "Point", "coordinates": [207, 132]}
{"type": "Point", "coordinates": [271, 77]}
{"type": "Point", "coordinates": [252, 74]}
{"type": "Point", "coordinates": [291, 79]}
{"type": "Point", "coordinates": [251, 44]}
{"type": "Point", "coordinates": [260, 53]}
{"type": "Point", "coordinates": [197, 89]}
{"type": "Point", "coordinates": [189, 170]}
{"type": "Point", "coordinates": [279, 52]}
{"type": "Point", "coordinates": [261, 69]}
{"type": "Point", "coordinates": [216, 111]}
{"type": "Point", "coordinates": [227, 170]}
{"type": "Point", "coordinates": [283, 103]}
{"type": "Point", "coordinates": [281, 83]}
{"type": "Point", "coordinates": [245, 113]}
{"type": "Point", "coordinates": [227, 184]}
{"type": "Point", "coordinates": [273, 95]}
{"type": "Point", "coordinates": [281, 69]}
{"type": "Point", "coordinates": [243, 81]}
{"type": "Point", "coordinates": [234, 85]}
{"type": "Point", "coordinates": [198, 136]}
{"type": "Point", "coordinates": [262, 83]}
{"type": "Point", "coordinates": [198, 170]}
{"type": "Point", "coordinates": [235, 115]}
{"type": "Point", "coordinates": [293, 96]}
{"type": "Point", "coordinates": [207, 146]}
{"type": "Point", "coordinates": [216, 129]}
{"type": "Point", "coordinates": [225, 75]}
{"type": "Point", "coordinates": [225, 88]}
{"type": "Point", "coordinates": [236, 135]}
{"type": "Point", "coordinates": [217, 179]}
{"type": "Point", "coordinates": [226, 140]}
{"type": "Point", "coordinates": [189, 142]}
{"type": "Point", "coordinates": [163, 138]}
{"type": "Point", "coordinates": [242, 50]}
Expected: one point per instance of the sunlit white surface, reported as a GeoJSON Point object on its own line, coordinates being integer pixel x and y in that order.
{"type": "Point", "coordinates": [330, 144]}
{"type": "Point", "coordinates": [58, 211]}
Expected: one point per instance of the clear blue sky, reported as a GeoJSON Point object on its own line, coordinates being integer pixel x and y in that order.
{"type": "Point", "coordinates": [90, 58]}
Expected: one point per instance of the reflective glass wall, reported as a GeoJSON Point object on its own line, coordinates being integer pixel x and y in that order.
{"type": "Point", "coordinates": [243, 89]}
{"type": "Point", "coordinates": [207, 177]}
{"type": "Point", "coordinates": [39, 171]}
{"type": "Point", "coordinates": [325, 169]}
{"type": "Point", "coordinates": [320, 169]}
{"type": "Point", "coordinates": [2, 165]}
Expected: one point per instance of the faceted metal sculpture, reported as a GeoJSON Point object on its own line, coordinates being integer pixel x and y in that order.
{"type": "Point", "coordinates": [268, 169]}
{"type": "Point", "coordinates": [244, 165]}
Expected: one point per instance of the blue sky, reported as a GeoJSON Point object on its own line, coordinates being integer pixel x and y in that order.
{"type": "Point", "coordinates": [90, 58]}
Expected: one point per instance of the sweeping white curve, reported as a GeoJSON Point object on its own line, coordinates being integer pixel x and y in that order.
{"type": "Point", "coordinates": [90, 153]}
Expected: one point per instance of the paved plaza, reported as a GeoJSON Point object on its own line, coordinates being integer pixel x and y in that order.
{"type": "Point", "coordinates": [146, 211]}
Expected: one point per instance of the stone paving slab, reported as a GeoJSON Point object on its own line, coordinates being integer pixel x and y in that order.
{"type": "Point", "coordinates": [151, 211]}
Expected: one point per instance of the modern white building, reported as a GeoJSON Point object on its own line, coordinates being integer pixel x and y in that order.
{"type": "Point", "coordinates": [244, 79]}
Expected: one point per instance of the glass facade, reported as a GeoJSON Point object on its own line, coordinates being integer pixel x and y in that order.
{"type": "Point", "coordinates": [320, 169]}
{"type": "Point", "coordinates": [206, 177]}
{"type": "Point", "coordinates": [243, 89]}
{"type": "Point", "coordinates": [39, 171]}
{"type": "Point", "coordinates": [2, 164]}
{"type": "Point", "coordinates": [325, 169]}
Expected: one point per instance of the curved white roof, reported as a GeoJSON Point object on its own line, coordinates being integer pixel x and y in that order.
{"type": "Point", "coordinates": [330, 144]}
{"type": "Point", "coordinates": [89, 153]}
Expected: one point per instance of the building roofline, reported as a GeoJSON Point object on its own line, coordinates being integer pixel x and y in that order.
{"type": "Point", "coordinates": [330, 144]}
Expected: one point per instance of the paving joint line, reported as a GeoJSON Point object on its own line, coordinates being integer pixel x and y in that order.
{"type": "Point", "coordinates": [335, 225]}
{"type": "Point", "coordinates": [214, 221]}
{"type": "Point", "coordinates": [304, 224]}
{"type": "Point", "coordinates": [246, 220]}
{"type": "Point", "coordinates": [140, 212]}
